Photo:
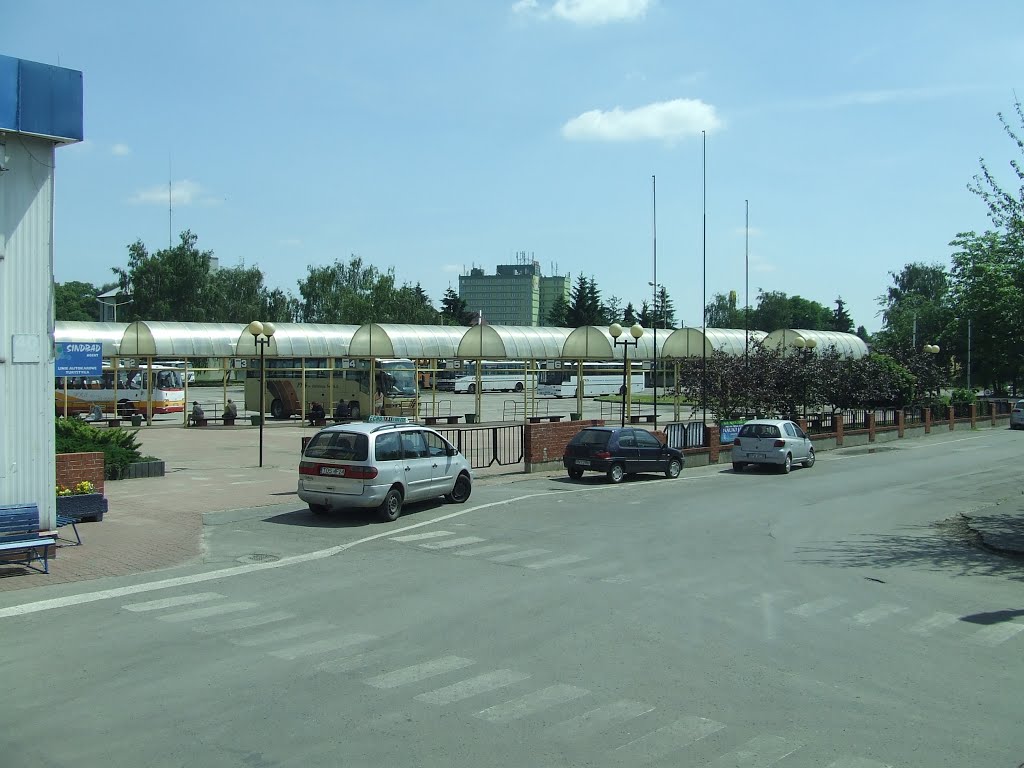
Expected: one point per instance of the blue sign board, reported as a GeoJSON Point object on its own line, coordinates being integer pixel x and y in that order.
{"type": "Point", "coordinates": [729, 430]}
{"type": "Point", "coordinates": [79, 358]}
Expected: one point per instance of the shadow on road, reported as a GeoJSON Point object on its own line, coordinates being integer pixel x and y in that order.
{"type": "Point", "coordinates": [992, 617]}
{"type": "Point", "coordinates": [348, 518]}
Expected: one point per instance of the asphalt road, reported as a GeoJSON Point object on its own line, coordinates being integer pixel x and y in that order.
{"type": "Point", "coordinates": [815, 619]}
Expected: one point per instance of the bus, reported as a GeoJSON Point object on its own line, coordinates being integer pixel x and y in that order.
{"type": "Point", "coordinates": [495, 376]}
{"type": "Point", "coordinates": [78, 394]}
{"type": "Point", "coordinates": [598, 379]}
{"type": "Point", "coordinates": [345, 388]}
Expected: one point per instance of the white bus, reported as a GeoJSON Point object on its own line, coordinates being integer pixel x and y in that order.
{"type": "Point", "coordinates": [129, 394]}
{"type": "Point", "coordinates": [495, 376]}
{"type": "Point", "coordinates": [598, 379]}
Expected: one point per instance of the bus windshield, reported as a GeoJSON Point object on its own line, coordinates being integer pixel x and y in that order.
{"type": "Point", "coordinates": [398, 377]}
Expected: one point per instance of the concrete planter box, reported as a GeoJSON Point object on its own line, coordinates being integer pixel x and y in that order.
{"type": "Point", "coordinates": [144, 469]}
{"type": "Point", "coordinates": [85, 506]}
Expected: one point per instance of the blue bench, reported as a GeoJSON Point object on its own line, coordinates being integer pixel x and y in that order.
{"type": "Point", "coordinates": [20, 541]}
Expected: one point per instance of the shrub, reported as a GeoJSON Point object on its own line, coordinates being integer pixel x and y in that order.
{"type": "Point", "coordinates": [119, 446]}
{"type": "Point", "coordinates": [963, 396]}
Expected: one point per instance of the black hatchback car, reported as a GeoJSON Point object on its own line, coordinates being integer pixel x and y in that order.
{"type": "Point", "coordinates": [619, 451]}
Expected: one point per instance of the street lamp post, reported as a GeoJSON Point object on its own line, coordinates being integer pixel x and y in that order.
{"type": "Point", "coordinates": [805, 348]}
{"type": "Point", "coordinates": [932, 349]}
{"type": "Point", "coordinates": [636, 331]}
{"type": "Point", "coordinates": [261, 333]}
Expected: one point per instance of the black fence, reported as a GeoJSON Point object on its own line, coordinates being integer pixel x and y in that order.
{"type": "Point", "coordinates": [913, 415]}
{"type": "Point", "coordinates": [820, 423]}
{"type": "Point", "coordinates": [886, 417]}
{"type": "Point", "coordinates": [686, 434]}
{"type": "Point", "coordinates": [961, 411]}
{"type": "Point", "coordinates": [485, 446]}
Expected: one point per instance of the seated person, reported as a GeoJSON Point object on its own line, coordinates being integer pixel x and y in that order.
{"type": "Point", "coordinates": [230, 410]}
{"type": "Point", "coordinates": [95, 413]}
{"type": "Point", "coordinates": [342, 410]}
{"type": "Point", "coordinates": [316, 414]}
{"type": "Point", "coordinates": [197, 413]}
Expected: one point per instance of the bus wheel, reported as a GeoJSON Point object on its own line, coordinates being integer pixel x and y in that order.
{"type": "Point", "coordinates": [472, 389]}
{"type": "Point", "coordinates": [277, 410]}
{"type": "Point", "coordinates": [519, 386]}
{"type": "Point", "coordinates": [353, 410]}
{"type": "Point", "coordinates": [125, 408]}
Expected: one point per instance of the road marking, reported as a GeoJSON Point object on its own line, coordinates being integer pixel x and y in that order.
{"type": "Point", "coordinates": [619, 578]}
{"type": "Point", "coordinates": [759, 752]}
{"type": "Point", "coordinates": [453, 542]}
{"type": "Point", "coordinates": [596, 719]}
{"type": "Point", "coordinates": [521, 555]}
{"type": "Point", "coordinates": [348, 663]}
{"type": "Point", "coordinates": [287, 633]}
{"type": "Point", "coordinates": [997, 633]}
{"type": "Point", "coordinates": [935, 622]}
{"type": "Point", "coordinates": [815, 607]}
{"type": "Point", "coordinates": [208, 611]}
{"type": "Point", "coordinates": [489, 681]}
{"type": "Point", "coordinates": [668, 738]}
{"type": "Point", "coordinates": [857, 762]}
{"type": "Point", "coordinates": [246, 622]}
{"type": "Point", "coordinates": [531, 703]}
{"type": "Point", "coordinates": [880, 611]}
{"type": "Point", "coordinates": [421, 536]}
{"type": "Point", "coordinates": [322, 646]}
{"type": "Point", "coordinates": [563, 560]}
{"type": "Point", "coordinates": [171, 602]}
{"type": "Point", "coordinates": [418, 672]}
{"type": "Point", "coordinates": [488, 550]}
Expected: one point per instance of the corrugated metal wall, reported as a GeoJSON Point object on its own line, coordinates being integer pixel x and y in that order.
{"type": "Point", "coordinates": [27, 465]}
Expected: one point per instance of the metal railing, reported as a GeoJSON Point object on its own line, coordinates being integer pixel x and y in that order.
{"type": "Point", "coordinates": [435, 407]}
{"type": "Point", "coordinates": [886, 417]}
{"type": "Point", "coordinates": [913, 415]}
{"type": "Point", "coordinates": [961, 411]}
{"type": "Point", "coordinates": [485, 446]}
{"type": "Point", "coordinates": [686, 434]}
{"type": "Point", "coordinates": [512, 410]}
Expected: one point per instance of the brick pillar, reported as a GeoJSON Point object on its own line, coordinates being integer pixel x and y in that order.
{"type": "Point", "coordinates": [992, 412]}
{"type": "Point", "coordinates": [839, 428]}
{"type": "Point", "coordinates": [952, 419]}
{"type": "Point", "coordinates": [974, 415]}
{"type": "Point", "coordinates": [871, 427]}
{"type": "Point", "coordinates": [714, 444]}
{"type": "Point", "coordinates": [900, 424]}
{"type": "Point", "coordinates": [927, 421]}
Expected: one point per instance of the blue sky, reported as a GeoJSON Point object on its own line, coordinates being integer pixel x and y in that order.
{"type": "Point", "coordinates": [432, 136]}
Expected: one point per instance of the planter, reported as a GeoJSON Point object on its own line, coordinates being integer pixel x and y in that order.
{"type": "Point", "coordinates": [256, 420]}
{"type": "Point", "coordinates": [143, 469]}
{"type": "Point", "coordinates": [84, 506]}
{"type": "Point", "coordinates": [575, 416]}
{"type": "Point", "coordinates": [471, 418]}
{"type": "Point", "coordinates": [136, 421]}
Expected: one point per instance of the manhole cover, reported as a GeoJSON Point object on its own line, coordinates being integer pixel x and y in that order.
{"type": "Point", "coordinates": [259, 558]}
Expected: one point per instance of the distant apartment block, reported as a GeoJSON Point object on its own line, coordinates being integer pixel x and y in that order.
{"type": "Point", "coordinates": [517, 294]}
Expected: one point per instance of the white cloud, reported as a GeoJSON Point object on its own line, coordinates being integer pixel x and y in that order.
{"type": "Point", "coordinates": [184, 192]}
{"type": "Point", "coordinates": [121, 150]}
{"type": "Point", "coordinates": [290, 242]}
{"type": "Point", "coordinates": [451, 268]}
{"type": "Point", "coordinates": [760, 264]}
{"type": "Point", "coordinates": [665, 120]}
{"type": "Point", "coordinates": [585, 11]}
{"type": "Point", "coordinates": [882, 96]}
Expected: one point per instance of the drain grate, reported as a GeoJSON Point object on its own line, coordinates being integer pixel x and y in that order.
{"type": "Point", "coordinates": [258, 557]}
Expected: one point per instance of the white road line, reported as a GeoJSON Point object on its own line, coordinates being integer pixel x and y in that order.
{"type": "Point", "coordinates": [418, 672]}
{"type": "Point", "coordinates": [488, 550]}
{"type": "Point", "coordinates": [806, 610]}
{"type": "Point", "coordinates": [619, 578]}
{"type": "Point", "coordinates": [489, 681]}
{"type": "Point", "coordinates": [597, 719]}
{"type": "Point", "coordinates": [522, 555]}
{"type": "Point", "coordinates": [286, 633]}
{"type": "Point", "coordinates": [171, 602]}
{"type": "Point", "coordinates": [857, 762]}
{"type": "Point", "coordinates": [322, 646]}
{"type": "Point", "coordinates": [880, 611]}
{"type": "Point", "coordinates": [421, 536]}
{"type": "Point", "coordinates": [997, 633]}
{"type": "Point", "coordinates": [759, 752]}
{"type": "Point", "coordinates": [934, 623]}
{"type": "Point", "coordinates": [448, 543]}
{"type": "Point", "coordinates": [563, 560]}
{"type": "Point", "coordinates": [668, 738]}
{"type": "Point", "coordinates": [768, 599]}
{"type": "Point", "coordinates": [208, 611]}
{"type": "Point", "coordinates": [531, 703]}
{"type": "Point", "coordinates": [246, 622]}
{"type": "Point", "coordinates": [349, 663]}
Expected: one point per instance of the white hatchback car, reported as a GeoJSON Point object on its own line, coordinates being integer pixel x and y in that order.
{"type": "Point", "coordinates": [772, 441]}
{"type": "Point", "coordinates": [1017, 415]}
{"type": "Point", "coordinates": [382, 465]}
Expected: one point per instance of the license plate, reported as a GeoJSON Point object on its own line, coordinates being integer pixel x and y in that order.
{"type": "Point", "coordinates": [333, 471]}
{"type": "Point", "coordinates": [756, 455]}
{"type": "Point", "coordinates": [582, 462]}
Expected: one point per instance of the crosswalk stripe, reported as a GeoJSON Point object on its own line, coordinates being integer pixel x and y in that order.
{"type": "Point", "coordinates": [348, 663]}
{"type": "Point", "coordinates": [245, 622]}
{"type": "Point", "coordinates": [489, 681]}
{"type": "Point", "coordinates": [420, 536]}
{"type": "Point", "coordinates": [563, 560]}
{"type": "Point", "coordinates": [488, 550]}
{"type": "Point", "coordinates": [619, 578]}
{"type": "Point", "coordinates": [285, 633]}
{"type": "Point", "coordinates": [597, 719]}
{"type": "Point", "coordinates": [815, 607]}
{"type": "Point", "coordinates": [668, 738]}
{"type": "Point", "coordinates": [418, 672]}
{"type": "Point", "coordinates": [453, 542]}
{"type": "Point", "coordinates": [857, 762]}
{"type": "Point", "coordinates": [521, 555]}
{"type": "Point", "coordinates": [933, 623]}
{"type": "Point", "coordinates": [171, 602]}
{"type": "Point", "coordinates": [768, 599]}
{"type": "Point", "coordinates": [880, 611]}
{"type": "Point", "coordinates": [208, 611]}
{"type": "Point", "coordinates": [997, 633]}
{"type": "Point", "coordinates": [759, 752]}
{"type": "Point", "coordinates": [322, 646]}
{"type": "Point", "coordinates": [531, 703]}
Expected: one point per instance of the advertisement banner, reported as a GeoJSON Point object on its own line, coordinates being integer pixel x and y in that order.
{"type": "Point", "coordinates": [728, 431]}
{"type": "Point", "coordinates": [78, 358]}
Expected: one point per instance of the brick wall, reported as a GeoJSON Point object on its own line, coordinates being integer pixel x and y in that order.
{"type": "Point", "coordinates": [545, 443]}
{"type": "Point", "coordinates": [72, 468]}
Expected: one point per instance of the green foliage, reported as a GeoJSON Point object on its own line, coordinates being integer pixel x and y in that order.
{"type": "Point", "coordinates": [1005, 208]}
{"type": "Point", "coordinates": [841, 320]}
{"type": "Point", "coordinates": [629, 315]}
{"type": "Point", "coordinates": [76, 300]}
{"type": "Point", "coordinates": [722, 312]}
{"type": "Point", "coordinates": [119, 446]}
{"type": "Point", "coordinates": [963, 396]}
{"type": "Point", "coordinates": [664, 315]}
{"type": "Point", "coordinates": [585, 307]}
{"type": "Point", "coordinates": [558, 316]}
{"type": "Point", "coordinates": [453, 309]}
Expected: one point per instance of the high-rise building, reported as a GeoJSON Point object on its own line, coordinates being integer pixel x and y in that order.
{"type": "Point", "coordinates": [517, 294]}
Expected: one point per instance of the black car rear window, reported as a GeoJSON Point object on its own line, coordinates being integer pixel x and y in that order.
{"type": "Point", "coordinates": [341, 446]}
{"type": "Point", "coordinates": [759, 430]}
{"type": "Point", "coordinates": [591, 437]}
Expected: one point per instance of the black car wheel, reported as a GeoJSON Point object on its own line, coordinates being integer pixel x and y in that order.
{"type": "Point", "coordinates": [673, 469]}
{"type": "Point", "coordinates": [615, 473]}
{"type": "Point", "coordinates": [737, 466]}
{"type": "Point", "coordinates": [461, 490]}
{"type": "Point", "coordinates": [318, 509]}
{"type": "Point", "coordinates": [575, 473]}
{"type": "Point", "coordinates": [391, 507]}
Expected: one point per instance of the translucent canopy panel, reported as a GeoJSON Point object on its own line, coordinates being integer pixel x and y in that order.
{"type": "Point", "coordinates": [593, 342]}
{"type": "Point", "coordinates": [412, 341]}
{"type": "Point", "coordinates": [299, 340]}
{"type": "Point", "coordinates": [109, 334]}
{"type": "Point", "coordinates": [846, 344]}
{"type": "Point", "coordinates": [692, 342]}
{"type": "Point", "coordinates": [513, 342]}
{"type": "Point", "coordinates": [171, 340]}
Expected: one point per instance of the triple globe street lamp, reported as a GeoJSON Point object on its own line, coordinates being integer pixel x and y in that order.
{"type": "Point", "coordinates": [636, 331]}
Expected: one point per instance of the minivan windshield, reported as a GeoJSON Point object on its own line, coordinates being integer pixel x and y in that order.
{"type": "Point", "coordinates": [340, 446]}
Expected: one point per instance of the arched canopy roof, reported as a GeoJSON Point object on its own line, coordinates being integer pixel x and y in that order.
{"type": "Point", "coordinates": [109, 334]}
{"type": "Point", "coordinates": [593, 342]}
{"type": "Point", "coordinates": [846, 344]}
{"type": "Point", "coordinates": [163, 339]}
{"type": "Point", "coordinates": [692, 342]}
{"type": "Point", "coordinates": [512, 342]}
{"type": "Point", "coordinates": [384, 340]}
{"type": "Point", "coordinates": [299, 340]}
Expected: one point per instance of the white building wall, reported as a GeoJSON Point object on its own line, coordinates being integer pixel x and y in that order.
{"type": "Point", "coordinates": [27, 464]}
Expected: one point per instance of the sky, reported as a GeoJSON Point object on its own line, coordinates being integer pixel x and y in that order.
{"type": "Point", "coordinates": [430, 137]}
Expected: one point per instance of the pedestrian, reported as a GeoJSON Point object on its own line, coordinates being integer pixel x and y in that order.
{"type": "Point", "coordinates": [197, 413]}
{"type": "Point", "coordinates": [230, 410]}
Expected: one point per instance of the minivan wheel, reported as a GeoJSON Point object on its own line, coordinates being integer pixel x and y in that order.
{"type": "Point", "coordinates": [674, 467]}
{"type": "Point", "coordinates": [615, 473]}
{"type": "Point", "coordinates": [575, 473]}
{"type": "Point", "coordinates": [787, 465]}
{"type": "Point", "coordinates": [737, 466]}
{"type": "Point", "coordinates": [318, 509]}
{"type": "Point", "coordinates": [391, 507]}
{"type": "Point", "coordinates": [461, 490]}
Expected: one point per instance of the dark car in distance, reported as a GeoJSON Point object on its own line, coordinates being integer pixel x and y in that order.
{"type": "Point", "coordinates": [619, 451]}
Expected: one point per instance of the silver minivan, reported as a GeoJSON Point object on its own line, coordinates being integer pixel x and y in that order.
{"type": "Point", "coordinates": [778, 442]}
{"type": "Point", "coordinates": [382, 465]}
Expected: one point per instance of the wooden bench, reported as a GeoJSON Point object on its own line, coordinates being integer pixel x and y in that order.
{"type": "Point", "coordinates": [227, 421]}
{"type": "Point", "coordinates": [113, 422]}
{"type": "Point", "coordinates": [643, 418]}
{"type": "Point", "coordinates": [20, 537]}
{"type": "Point", "coordinates": [431, 420]}
{"type": "Point", "coordinates": [539, 419]}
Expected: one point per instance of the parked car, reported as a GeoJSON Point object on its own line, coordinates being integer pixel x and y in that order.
{"type": "Point", "coordinates": [772, 441]}
{"type": "Point", "coordinates": [1017, 415]}
{"type": "Point", "coordinates": [619, 451]}
{"type": "Point", "coordinates": [382, 465]}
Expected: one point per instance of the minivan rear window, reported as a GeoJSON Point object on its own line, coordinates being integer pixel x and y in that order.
{"type": "Point", "coordinates": [340, 446]}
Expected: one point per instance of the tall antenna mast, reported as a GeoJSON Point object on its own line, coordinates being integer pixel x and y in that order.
{"type": "Point", "coordinates": [170, 206]}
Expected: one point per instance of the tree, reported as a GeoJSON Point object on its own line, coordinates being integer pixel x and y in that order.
{"type": "Point", "coordinates": [558, 315]}
{"type": "Point", "coordinates": [171, 284]}
{"type": "Point", "coordinates": [357, 293]}
{"type": "Point", "coordinates": [841, 320]}
{"type": "Point", "coordinates": [722, 312]}
{"type": "Point", "coordinates": [613, 309]}
{"type": "Point", "coordinates": [1006, 209]}
{"type": "Point", "coordinates": [76, 300]}
{"type": "Point", "coordinates": [773, 311]}
{"type": "Point", "coordinates": [629, 316]}
{"type": "Point", "coordinates": [664, 310]}
{"type": "Point", "coordinates": [808, 314]}
{"type": "Point", "coordinates": [453, 309]}
{"type": "Point", "coordinates": [585, 304]}
{"type": "Point", "coordinates": [917, 300]}
{"type": "Point", "coordinates": [645, 317]}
